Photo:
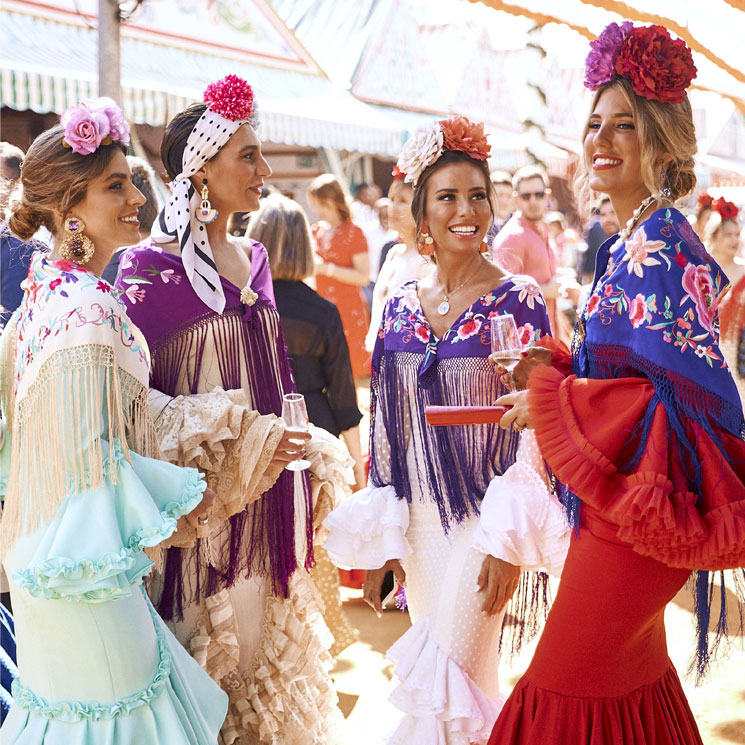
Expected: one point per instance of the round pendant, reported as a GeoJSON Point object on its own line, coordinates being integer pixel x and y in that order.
{"type": "Point", "coordinates": [443, 308]}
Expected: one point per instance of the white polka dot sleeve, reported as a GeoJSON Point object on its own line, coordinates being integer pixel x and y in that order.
{"type": "Point", "coordinates": [521, 522]}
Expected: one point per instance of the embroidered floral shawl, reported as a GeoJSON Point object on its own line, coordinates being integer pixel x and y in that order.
{"type": "Point", "coordinates": [74, 384]}
{"type": "Point", "coordinates": [665, 465]}
{"type": "Point", "coordinates": [412, 368]}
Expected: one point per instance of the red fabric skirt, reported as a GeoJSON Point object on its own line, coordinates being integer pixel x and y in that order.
{"type": "Point", "coordinates": [601, 674]}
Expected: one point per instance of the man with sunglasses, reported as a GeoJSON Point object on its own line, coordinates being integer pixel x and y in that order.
{"type": "Point", "coordinates": [523, 245]}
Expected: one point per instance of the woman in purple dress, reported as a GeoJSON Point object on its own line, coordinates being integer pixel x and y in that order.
{"type": "Point", "coordinates": [236, 590]}
{"type": "Point", "coordinates": [456, 512]}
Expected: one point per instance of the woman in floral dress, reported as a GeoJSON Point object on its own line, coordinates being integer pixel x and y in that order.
{"type": "Point", "coordinates": [450, 508]}
{"type": "Point", "coordinates": [642, 422]}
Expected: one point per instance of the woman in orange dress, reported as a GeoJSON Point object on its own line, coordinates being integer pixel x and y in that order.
{"type": "Point", "coordinates": [344, 265]}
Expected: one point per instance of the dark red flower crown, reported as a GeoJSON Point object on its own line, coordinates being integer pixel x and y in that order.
{"type": "Point", "coordinates": [658, 66]}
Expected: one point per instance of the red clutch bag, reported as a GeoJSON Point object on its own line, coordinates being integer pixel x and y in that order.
{"type": "Point", "coordinates": [447, 416]}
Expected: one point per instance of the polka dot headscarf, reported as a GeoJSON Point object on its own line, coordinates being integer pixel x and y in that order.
{"type": "Point", "coordinates": [177, 219]}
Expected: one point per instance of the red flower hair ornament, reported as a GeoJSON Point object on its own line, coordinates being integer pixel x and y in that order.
{"type": "Point", "coordinates": [727, 210]}
{"type": "Point", "coordinates": [659, 67]}
{"type": "Point", "coordinates": [704, 200]}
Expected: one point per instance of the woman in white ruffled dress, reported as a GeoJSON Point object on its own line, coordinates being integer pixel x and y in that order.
{"type": "Point", "coordinates": [455, 512]}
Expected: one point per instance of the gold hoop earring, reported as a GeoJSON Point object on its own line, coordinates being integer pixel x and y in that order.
{"type": "Point", "coordinates": [76, 246]}
{"type": "Point", "coordinates": [426, 245]}
{"type": "Point", "coordinates": [205, 213]}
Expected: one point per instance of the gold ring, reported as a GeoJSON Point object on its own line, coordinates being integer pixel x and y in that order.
{"type": "Point", "coordinates": [202, 520]}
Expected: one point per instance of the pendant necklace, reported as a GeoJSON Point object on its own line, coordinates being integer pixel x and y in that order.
{"type": "Point", "coordinates": [444, 307]}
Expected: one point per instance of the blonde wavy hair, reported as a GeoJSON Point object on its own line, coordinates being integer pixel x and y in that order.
{"type": "Point", "coordinates": [661, 128]}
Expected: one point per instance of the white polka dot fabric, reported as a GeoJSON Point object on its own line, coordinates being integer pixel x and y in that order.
{"type": "Point", "coordinates": [177, 220]}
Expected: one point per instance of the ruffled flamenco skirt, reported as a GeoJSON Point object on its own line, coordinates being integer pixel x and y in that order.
{"type": "Point", "coordinates": [445, 684]}
{"type": "Point", "coordinates": [97, 665]}
{"type": "Point", "coordinates": [601, 674]}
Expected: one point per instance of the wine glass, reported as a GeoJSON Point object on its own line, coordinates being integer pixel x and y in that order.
{"type": "Point", "coordinates": [295, 416]}
{"type": "Point", "coordinates": [505, 343]}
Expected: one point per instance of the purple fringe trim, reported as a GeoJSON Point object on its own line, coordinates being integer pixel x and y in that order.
{"type": "Point", "coordinates": [261, 539]}
{"type": "Point", "coordinates": [455, 464]}
{"type": "Point", "coordinates": [526, 613]}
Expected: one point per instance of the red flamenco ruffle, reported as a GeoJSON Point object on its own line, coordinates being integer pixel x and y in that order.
{"type": "Point", "coordinates": [654, 714]}
{"type": "Point", "coordinates": [561, 357]}
{"type": "Point", "coordinates": [655, 512]}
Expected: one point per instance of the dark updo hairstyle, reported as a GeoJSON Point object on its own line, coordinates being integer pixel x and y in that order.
{"type": "Point", "coordinates": [175, 137]}
{"type": "Point", "coordinates": [418, 203]}
{"type": "Point", "coordinates": [53, 180]}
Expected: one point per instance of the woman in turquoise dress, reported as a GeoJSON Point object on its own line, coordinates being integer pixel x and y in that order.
{"type": "Point", "coordinates": [84, 494]}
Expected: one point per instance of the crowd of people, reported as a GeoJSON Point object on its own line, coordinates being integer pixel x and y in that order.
{"type": "Point", "coordinates": [171, 540]}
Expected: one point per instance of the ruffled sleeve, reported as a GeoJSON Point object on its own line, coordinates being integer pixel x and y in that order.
{"type": "Point", "coordinates": [368, 529]}
{"type": "Point", "coordinates": [92, 550]}
{"type": "Point", "coordinates": [521, 522]}
{"type": "Point", "coordinates": [577, 423]}
{"type": "Point", "coordinates": [331, 472]}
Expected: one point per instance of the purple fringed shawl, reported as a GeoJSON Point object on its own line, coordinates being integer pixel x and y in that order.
{"type": "Point", "coordinates": [251, 354]}
{"type": "Point", "coordinates": [411, 368]}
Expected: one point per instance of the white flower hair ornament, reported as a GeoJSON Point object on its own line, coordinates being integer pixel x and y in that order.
{"type": "Point", "coordinates": [422, 149]}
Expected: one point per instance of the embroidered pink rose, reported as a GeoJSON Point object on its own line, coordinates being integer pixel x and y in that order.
{"type": "Point", "coordinates": [699, 288]}
{"type": "Point", "coordinates": [593, 303]}
{"type": "Point", "coordinates": [421, 332]}
{"type": "Point", "coordinates": [638, 311]}
{"type": "Point", "coordinates": [468, 328]}
{"type": "Point", "coordinates": [85, 130]}
{"type": "Point", "coordinates": [55, 283]}
{"type": "Point", "coordinates": [526, 334]}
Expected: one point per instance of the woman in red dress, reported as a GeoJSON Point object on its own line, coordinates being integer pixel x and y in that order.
{"type": "Point", "coordinates": [344, 268]}
{"type": "Point", "coordinates": [642, 423]}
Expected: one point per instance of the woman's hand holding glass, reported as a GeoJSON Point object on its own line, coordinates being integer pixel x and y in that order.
{"type": "Point", "coordinates": [290, 451]}
{"type": "Point", "coordinates": [506, 346]}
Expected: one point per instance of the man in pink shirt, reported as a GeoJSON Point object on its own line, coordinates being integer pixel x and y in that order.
{"type": "Point", "coordinates": [523, 245]}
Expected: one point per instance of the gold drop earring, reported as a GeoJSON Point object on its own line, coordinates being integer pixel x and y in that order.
{"type": "Point", "coordinates": [76, 246]}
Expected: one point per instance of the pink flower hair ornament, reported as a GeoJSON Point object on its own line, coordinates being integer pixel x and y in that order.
{"type": "Point", "coordinates": [92, 123]}
{"type": "Point", "coordinates": [659, 67]}
{"type": "Point", "coordinates": [429, 142]}
{"type": "Point", "coordinates": [233, 98]}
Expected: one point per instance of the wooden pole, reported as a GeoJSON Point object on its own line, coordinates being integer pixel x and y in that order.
{"type": "Point", "coordinates": [109, 56]}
